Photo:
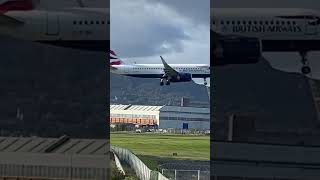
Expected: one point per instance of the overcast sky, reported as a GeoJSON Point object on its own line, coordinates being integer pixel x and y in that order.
{"type": "Point", "coordinates": [142, 30]}
{"type": "Point", "coordinates": [289, 62]}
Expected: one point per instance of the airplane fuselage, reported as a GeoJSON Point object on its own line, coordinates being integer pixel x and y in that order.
{"type": "Point", "coordinates": [157, 70]}
{"type": "Point", "coordinates": [76, 28]}
{"type": "Point", "coordinates": [278, 29]}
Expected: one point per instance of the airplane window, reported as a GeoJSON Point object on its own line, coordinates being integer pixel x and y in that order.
{"type": "Point", "coordinates": [288, 22]}
{"type": "Point", "coordinates": [102, 22]}
{"type": "Point", "coordinates": [222, 22]}
{"type": "Point", "coordinates": [97, 22]}
{"type": "Point", "coordinates": [213, 22]}
{"type": "Point", "coordinates": [238, 22]}
{"type": "Point", "coordinates": [271, 22]}
{"type": "Point", "coordinates": [277, 22]}
{"type": "Point", "coordinates": [80, 22]}
{"type": "Point", "coordinates": [91, 22]}
{"type": "Point", "coordinates": [293, 22]}
{"type": "Point", "coordinates": [260, 22]}
{"type": "Point", "coordinates": [282, 22]}
{"type": "Point", "coordinates": [228, 22]}
{"type": "Point", "coordinates": [232, 22]}
{"type": "Point", "coordinates": [266, 22]}
{"type": "Point", "coordinates": [85, 22]}
{"type": "Point", "coordinates": [244, 22]}
{"type": "Point", "coordinates": [249, 22]}
{"type": "Point", "coordinates": [255, 22]}
{"type": "Point", "coordinates": [74, 22]}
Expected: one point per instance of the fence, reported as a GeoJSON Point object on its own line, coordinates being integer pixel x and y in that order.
{"type": "Point", "coordinates": [174, 174]}
{"type": "Point", "coordinates": [141, 170]}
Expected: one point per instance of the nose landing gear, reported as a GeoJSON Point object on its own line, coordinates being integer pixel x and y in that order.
{"type": "Point", "coordinates": [305, 69]}
{"type": "Point", "coordinates": [205, 81]}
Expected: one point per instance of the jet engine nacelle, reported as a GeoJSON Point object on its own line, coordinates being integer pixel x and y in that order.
{"type": "Point", "coordinates": [236, 50]}
{"type": "Point", "coordinates": [182, 77]}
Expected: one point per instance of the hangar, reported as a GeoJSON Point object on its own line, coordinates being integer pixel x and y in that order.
{"type": "Point", "coordinates": [163, 117]}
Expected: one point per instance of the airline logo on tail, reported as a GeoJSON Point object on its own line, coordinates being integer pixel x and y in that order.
{"type": "Point", "coordinates": [114, 60]}
{"type": "Point", "coordinates": [17, 5]}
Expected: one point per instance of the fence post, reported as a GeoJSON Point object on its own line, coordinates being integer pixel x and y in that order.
{"type": "Point", "coordinates": [198, 174]}
{"type": "Point", "coordinates": [175, 174]}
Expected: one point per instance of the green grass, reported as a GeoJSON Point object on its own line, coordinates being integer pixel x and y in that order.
{"type": "Point", "coordinates": [190, 147]}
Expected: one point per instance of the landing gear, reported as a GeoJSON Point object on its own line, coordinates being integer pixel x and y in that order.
{"type": "Point", "coordinates": [305, 68]}
{"type": "Point", "coordinates": [205, 81]}
{"type": "Point", "coordinates": [168, 82]}
{"type": "Point", "coordinates": [162, 81]}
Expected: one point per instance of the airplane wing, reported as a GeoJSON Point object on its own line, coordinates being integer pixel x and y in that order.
{"type": "Point", "coordinates": [9, 21]}
{"type": "Point", "coordinates": [168, 70]}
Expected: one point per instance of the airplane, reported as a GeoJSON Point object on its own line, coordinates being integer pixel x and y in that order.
{"type": "Point", "coordinates": [241, 35]}
{"type": "Point", "coordinates": [165, 72]}
{"type": "Point", "coordinates": [77, 27]}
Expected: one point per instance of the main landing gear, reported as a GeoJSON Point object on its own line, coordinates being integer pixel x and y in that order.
{"type": "Point", "coordinates": [162, 82]}
{"type": "Point", "coordinates": [205, 81]}
{"type": "Point", "coordinates": [305, 68]}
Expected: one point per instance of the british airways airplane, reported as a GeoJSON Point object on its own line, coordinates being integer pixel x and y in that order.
{"type": "Point", "coordinates": [165, 72]}
{"type": "Point", "coordinates": [79, 27]}
{"type": "Point", "coordinates": [240, 35]}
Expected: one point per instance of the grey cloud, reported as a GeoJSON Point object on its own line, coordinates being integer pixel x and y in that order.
{"type": "Point", "coordinates": [145, 34]}
{"type": "Point", "coordinates": [198, 11]}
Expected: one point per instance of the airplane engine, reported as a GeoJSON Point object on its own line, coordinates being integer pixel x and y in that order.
{"type": "Point", "coordinates": [235, 50]}
{"type": "Point", "coordinates": [182, 77]}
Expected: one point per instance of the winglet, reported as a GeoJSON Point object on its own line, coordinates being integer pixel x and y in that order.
{"type": "Point", "coordinates": [163, 61]}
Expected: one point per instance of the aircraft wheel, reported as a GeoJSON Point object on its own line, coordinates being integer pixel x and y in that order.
{"type": "Point", "coordinates": [168, 83]}
{"type": "Point", "coordinates": [161, 83]}
{"type": "Point", "coordinates": [305, 69]}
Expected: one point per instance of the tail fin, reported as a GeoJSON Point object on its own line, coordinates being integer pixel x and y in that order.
{"type": "Point", "coordinates": [18, 5]}
{"type": "Point", "coordinates": [114, 60]}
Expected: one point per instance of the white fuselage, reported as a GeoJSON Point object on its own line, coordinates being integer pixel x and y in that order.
{"type": "Point", "coordinates": [157, 70]}
{"type": "Point", "coordinates": [84, 28]}
{"type": "Point", "coordinates": [293, 28]}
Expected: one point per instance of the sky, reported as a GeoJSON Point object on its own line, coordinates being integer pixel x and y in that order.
{"type": "Point", "coordinates": [288, 62]}
{"type": "Point", "coordinates": [142, 30]}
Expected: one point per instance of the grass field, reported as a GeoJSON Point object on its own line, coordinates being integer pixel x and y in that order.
{"type": "Point", "coordinates": [190, 147]}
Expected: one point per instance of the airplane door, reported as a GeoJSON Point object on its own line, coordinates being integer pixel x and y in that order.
{"type": "Point", "coordinates": [311, 26]}
{"type": "Point", "coordinates": [126, 69]}
{"type": "Point", "coordinates": [52, 24]}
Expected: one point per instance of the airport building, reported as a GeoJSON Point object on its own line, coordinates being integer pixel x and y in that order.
{"type": "Point", "coordinates": [163, 117]}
